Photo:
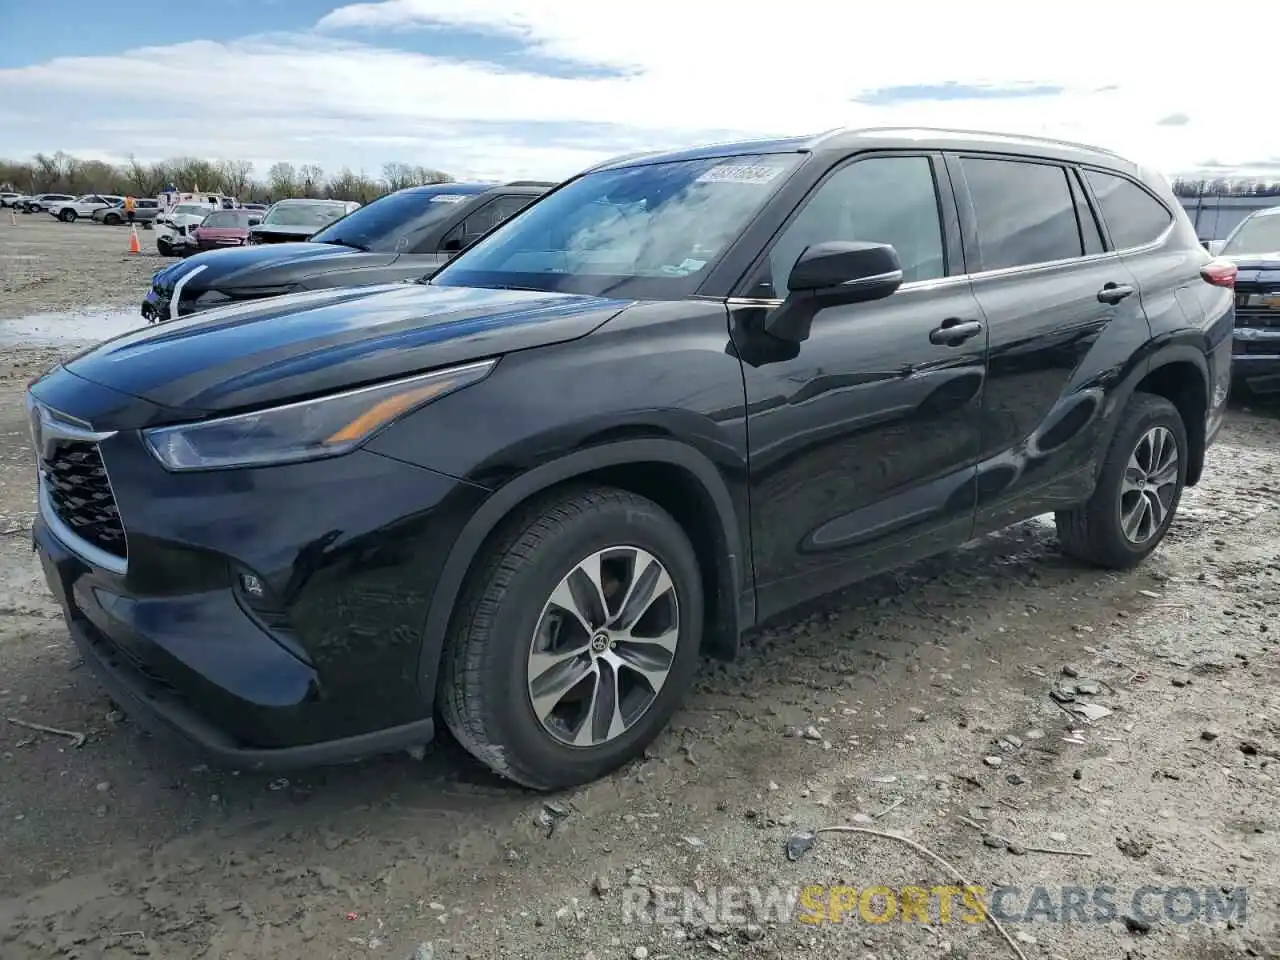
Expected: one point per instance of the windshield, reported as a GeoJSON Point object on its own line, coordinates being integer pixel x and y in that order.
{"type": "Point", "coordinates": [647, 231]}
{"type": "Point", "coordinates": [395, 222]}
{"type": "Point", "coordinates": [228, 218]}
{"type": "Point", "coordinates": [303, 214]}
{"type": "Point", "coordinates": [1258, 234]}
{"type": "Point", "coordinates": [190, 210]}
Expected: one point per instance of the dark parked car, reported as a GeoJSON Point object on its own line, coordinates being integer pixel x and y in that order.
{"type": "Point", "coordinates": [224, 228]}
{"type": "Point", "coordinates": [676, 395]}
{"type": "Point", "coordinates": [1254, 247]}
{"type": "Point", "coordinates": [291, 221]}
{"type": "Point", "coordinates": [402, 236]}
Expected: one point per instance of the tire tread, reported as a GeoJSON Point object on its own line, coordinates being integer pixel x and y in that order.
{"type": "Point", "coordinates": [462, 692]}
{"type": "Point", "coordinates": [1084, 532]}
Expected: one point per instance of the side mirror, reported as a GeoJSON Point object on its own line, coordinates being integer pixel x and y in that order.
{"type": "Point", "coordinates": [832, 274]}
{"type": "Point", "coordinates": [1215, 246]}
{"type": "Point", "coordinates": [851, 272]}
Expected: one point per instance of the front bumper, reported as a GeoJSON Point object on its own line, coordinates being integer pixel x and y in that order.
{"type": "Point", "coordinates": [152, 702]}
{"type": "Point", "coordinates": [320, 667]}
{"type": "Point", "coordinates": [1255, 358]}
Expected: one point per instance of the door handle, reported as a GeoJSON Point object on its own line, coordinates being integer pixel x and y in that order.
{"type": "Point", "coordinates": [1114, 292]}
{"type": "Point", "coordinates": [954, 332]}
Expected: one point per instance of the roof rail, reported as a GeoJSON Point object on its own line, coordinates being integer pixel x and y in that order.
{"type": "Point", "coordinates": [995, 135]}
{"type": "Point", "coordinates": [530, 183]}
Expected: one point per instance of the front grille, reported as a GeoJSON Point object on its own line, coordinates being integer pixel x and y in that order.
{"type": "Point", "coordinates": [1254, 306]}
{"type": "Point", "coordinates": [1256, 348]}
{"type": "Point", "coordinates": [80, 493]}
{"type": "Point", "coordinates": [1264, 317]}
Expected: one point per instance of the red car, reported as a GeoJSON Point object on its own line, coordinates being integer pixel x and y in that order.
{"type": "Point", "coordinates": [225, 228]}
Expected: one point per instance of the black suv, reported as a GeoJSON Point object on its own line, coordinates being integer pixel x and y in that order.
{"type": "Point", "coordinates": [402, 236]}
{"type": "Point", "coordinates": [677, 395]}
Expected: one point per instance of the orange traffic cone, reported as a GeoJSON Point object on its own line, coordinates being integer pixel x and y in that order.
{"type": "Point", "coordinates": [135, 245]}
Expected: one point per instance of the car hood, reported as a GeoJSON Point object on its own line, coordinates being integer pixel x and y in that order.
{"type": "Point", "coordinates": [272, 265]}
{"type": "Point", "coordinates": [286, 230]}
{"type": "Point", "coordinates": [305, 344]}
{"type": "Point", "coordinates": [181, 219]}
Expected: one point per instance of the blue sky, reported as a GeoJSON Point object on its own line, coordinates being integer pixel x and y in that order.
{"type": "Point", "coordinates": [541, 88]}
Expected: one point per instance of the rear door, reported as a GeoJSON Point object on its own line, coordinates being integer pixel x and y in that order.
{"type": "Point", "coordinates": [1050, 293]}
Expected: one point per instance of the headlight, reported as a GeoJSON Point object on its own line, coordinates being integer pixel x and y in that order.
{"type": "Point", "coordinates": [212, 298]}
{"type": "Point", "coordinates": [324, 427]}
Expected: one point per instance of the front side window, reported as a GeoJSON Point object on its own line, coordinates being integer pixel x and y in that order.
{"type": "Point", "coordinates": [1133, 216]}
{"type": "Point", "coordinates": [890, 200]}
{"type": "Point", "coordinates": [650, 231]}
{"type": "Point", "coordinates": [1025, 212]}
{"type": "Point", "coordinates": [483, 220]}
{"type": "Point", "coordinates": [395, 222]}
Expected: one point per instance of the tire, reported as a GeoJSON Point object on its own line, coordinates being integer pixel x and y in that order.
{"type": "Point", "coordinates": [112, 219]}
{"type": "Point", "coordinates": [163, 247]}
{"type": "Point", "coordinates": [1095, 531]}
{"type": "Point", "coordinates": [485, 688]}
{"type": "Point", "coordinates": [67, 216]}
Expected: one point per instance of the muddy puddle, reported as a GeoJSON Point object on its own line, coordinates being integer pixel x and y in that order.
{"type": "Point", "coordinates": [71, 328]}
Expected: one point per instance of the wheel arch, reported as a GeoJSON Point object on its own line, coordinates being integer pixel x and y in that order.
{"type": "Point", "coordinates": [1180, 374]}
{"type": "Point", "coordinates": [672, 474]}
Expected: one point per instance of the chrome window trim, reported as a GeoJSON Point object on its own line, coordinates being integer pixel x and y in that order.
{"type": "Point", "coordinates": [942, 282]}
{"type": "Point", "coordinates": [55, 425]}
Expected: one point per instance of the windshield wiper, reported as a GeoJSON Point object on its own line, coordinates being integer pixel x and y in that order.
{"type": "Point", "coordinates": [346, 243]}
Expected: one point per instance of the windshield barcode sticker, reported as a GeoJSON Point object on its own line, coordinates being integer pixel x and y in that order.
{"type": "Point", "coordinates": [448, 198]}
{"type": "Point", "coordinates": [739, 173]}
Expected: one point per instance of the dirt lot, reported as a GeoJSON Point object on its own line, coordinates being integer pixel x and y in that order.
{"type": "Point", "coordinates": [902, 706]}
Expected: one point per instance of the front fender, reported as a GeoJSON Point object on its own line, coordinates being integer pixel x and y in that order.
{"type": "Point", "coordinates": [467, 548]}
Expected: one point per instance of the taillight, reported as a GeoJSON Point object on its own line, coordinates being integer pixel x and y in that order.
{"type": "Point", "coordinates": [1220, 273]}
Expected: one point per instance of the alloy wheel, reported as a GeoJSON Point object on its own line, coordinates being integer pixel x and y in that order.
{"type": "Point", "coordinates": [1149, 485]}
{"type": "Point", "coordinates": [603, 647]}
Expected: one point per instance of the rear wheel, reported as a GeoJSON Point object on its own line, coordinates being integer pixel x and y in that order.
{"type": "Point", "coordinates": [1138, 491]}
{"type": "Point", "coordinates": [576, 638]}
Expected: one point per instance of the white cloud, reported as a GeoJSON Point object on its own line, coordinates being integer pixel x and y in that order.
{"type": "Point", "coordinates": [694, 69]}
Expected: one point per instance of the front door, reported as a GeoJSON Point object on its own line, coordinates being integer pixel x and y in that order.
{"type": "Point", "coordinates": [864, 438]}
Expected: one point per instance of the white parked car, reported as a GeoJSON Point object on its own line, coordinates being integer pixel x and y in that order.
{"type": "Point", "coordinates": [173, 227]}
{"type": "Point", "coordinates": [8, 199]}
{"type": "Point", "coordinates": [86, 206]}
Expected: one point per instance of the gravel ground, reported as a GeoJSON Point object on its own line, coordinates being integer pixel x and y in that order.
{"type": "Point", "coordinates": [917, 705]}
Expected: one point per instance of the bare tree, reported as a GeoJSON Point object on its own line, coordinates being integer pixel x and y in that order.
{"type": "Point", "coordinates": [236, 176]}
{"type": "Point", "coordinates": [312, 178]}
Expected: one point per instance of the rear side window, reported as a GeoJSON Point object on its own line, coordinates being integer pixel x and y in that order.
{"type": "Point", "coordinates": [1133, 216]}
{"type": "Point", "coordinates": [1025, 212]}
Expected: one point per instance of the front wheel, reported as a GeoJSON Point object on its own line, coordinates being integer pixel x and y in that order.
{"type": "Point", "coordinates": [164, 248]}
{"type": "Point", "coordinates": [1138, 490]}
{"type": "Point", "coordinates": [112, 219]}
{"type": "Point", "coordinates": [575, 640]}
{"type": "Point", "coordinates": [67, 216]}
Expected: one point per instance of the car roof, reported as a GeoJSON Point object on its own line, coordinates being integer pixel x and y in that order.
{"type": "Point", "coordinates": [1268, 212]}
{"type": "Point", "coordinates": [845, 141]}
{"type": "Point", "coordinates": [476, 188]}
